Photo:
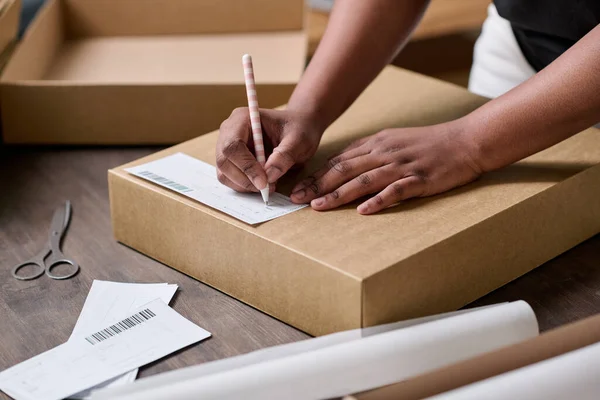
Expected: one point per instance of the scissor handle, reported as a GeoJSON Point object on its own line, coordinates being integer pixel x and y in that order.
{"type": "Point", "coordinates": [56, 262]}
{"type": "Point", "coordinates": [38, 266]}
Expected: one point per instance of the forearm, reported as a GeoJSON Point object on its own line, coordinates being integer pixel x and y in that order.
{"type": "Point", "coordinates": [361, 38]}
{"type": "Point", "coordinates": [556, 103]}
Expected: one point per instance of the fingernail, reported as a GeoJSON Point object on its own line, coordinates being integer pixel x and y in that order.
{"type": "Point", "coordinates": [318, 202]}
{"type": "Point", "coordinates": [300, 194]}
{"type": "Point", "coordinates": [273, 174]}
{"type": "Point", "coordinates": [363, 208]}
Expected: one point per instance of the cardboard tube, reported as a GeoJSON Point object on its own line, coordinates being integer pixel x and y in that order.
{"type": "Point", "coordinates": [573, 375]}
{"type": "Point", "coordinates": [358, 364]}
{"type": "Point", "coordinates": [550, 344]}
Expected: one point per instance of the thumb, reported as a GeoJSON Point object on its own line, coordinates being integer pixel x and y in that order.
{"type": "Point", "coordinates": [282, 159]}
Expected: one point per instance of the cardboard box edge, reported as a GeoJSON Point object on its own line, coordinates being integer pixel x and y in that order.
{"type": "Point", "coordinates": [399, 267]}
{"type": "Point", "coordinates": [115, 178]}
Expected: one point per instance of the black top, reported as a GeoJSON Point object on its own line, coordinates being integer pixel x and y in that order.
{"type": "Point", "coordinates": [547, 28]}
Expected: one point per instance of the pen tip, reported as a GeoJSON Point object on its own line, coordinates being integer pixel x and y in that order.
{"type": "Point", "coordinates": [265, 195]}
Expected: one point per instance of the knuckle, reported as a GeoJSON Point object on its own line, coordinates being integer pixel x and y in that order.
{"type": "Point", "coordinates": [249, 186]}
{"type": "Point", "coordinates": [232, 146]}
{"type": "Point", "coordinates": [221, 161]}
{"type": "Point", "coordinates": [364, 179]}
{"type": "Point", "coordinates": [398, 189]}
{"type": "Point", "coordinates": [224, 125]}
{"type": "Point", "coordinates": [238, 111]}
{"type": "Point", "coordinates": [342, 167]}
{"type": "Point", "coordinates": [221, 177]}
{"type": "Point", "coordinates": [378, 200]}
{"type": "Point", "coordinates": [314, 187]}
{"type": "Point", "coordinates": [335, 195]}
{"type": "Point", "coordinates": [394, 148]}
{"type": "Point", "coordinates": [249, 168]}
{"type": "Point", "coordinates": [419, 176]}
{"type": "Point", "coordinates": [287, 155]}
{"type": "Point", "coordinates": [402, 161]}
{"type": "Point", "coordinates": [380, 136]}
{"type": "Point", "coordinates": [331, 163]}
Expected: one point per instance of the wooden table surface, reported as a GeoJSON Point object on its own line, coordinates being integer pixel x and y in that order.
{"type": "Point", "coordinates": [40, 314]}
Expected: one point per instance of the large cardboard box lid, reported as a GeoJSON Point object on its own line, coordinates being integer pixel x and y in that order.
{"type": "Point", "coordinates": [327, 271]}
{"type": "Point", "coordinates": [156, 71]}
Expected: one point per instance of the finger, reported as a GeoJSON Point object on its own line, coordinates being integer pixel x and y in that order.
{"type": "Point", "coordinates": [366, 183]}
{"type": "Point", "coordinates": [232, 185]}
{"type": "Point", "coordinates": [281, 160]}
{"type": "Point", "coordinates": [238, 154]}
{"type": "Point", "coordinates": [356, 144]}
{"type": "Point", "coordinates": [336, 174]}
{"type": "Point", "coordinates": [403, 189]}
{"type": "Point", "coordinates": [331, 162]}
{"type": "Point", "coordinates": [228, 172]}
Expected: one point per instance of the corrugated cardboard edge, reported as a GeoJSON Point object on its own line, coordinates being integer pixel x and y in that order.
{"type": "Point", "coordinates": [266, 284]}
{"type": "Point", "coordinates": [512, 249]}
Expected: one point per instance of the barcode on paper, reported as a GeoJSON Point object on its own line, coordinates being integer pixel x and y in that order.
{"type": "Point", "coordinates": [121, 326]}
{"type": "Point", "coordinates": [164, 181]}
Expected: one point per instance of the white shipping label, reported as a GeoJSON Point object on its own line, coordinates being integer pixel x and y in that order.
{"type": "Point", "coordinates": [198, 180]}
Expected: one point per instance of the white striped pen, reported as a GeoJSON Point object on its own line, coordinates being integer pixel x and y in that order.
{"type": "Point", "coordinates": [257, 135]}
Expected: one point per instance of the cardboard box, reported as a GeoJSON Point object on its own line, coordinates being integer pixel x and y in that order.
{"type": "Point", "coordinates": [9, 22]}
{"type": "Point", "coordinates": [144, 72]}
{"type": "Point", "coordinates": [10, 11]}
{"type": "Point", "coordinates": [328, 271]}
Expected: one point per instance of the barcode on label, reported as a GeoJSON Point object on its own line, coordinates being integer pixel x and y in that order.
{"type": "Point", "coordinates": [167, 182]}
{"type": "Point", "coordinates": [120, 327]}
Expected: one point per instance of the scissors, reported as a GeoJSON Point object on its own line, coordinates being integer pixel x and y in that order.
{"type": "Point", "coordinates": [51, 256]}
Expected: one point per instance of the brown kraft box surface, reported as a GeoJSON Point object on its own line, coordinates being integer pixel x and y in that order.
{"type": "Point", "coordinates": [144, 72]}
{"type": "Point", "coordinates": [10, 11]}
{"type": "Point", "coordinates": [550, 344]}
{"type": "Point", "coordinates": [329, 271]}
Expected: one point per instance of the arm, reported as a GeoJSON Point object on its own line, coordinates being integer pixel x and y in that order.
{"type": "Point", "coordinates": [555, 104]}
{"type": "Point", "coordinates": [361, 38]}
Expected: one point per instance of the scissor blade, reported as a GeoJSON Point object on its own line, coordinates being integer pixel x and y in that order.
{"type": "Point", "coordinates": [67, 214]}
{"type": "Point", "coordinates": [59, 220]}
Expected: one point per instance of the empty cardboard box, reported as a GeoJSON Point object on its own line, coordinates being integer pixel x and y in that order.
{"type": "Point", "coordinates": [10, 11]}
{"type": "Point", "coordinates": [146, 72]}
{"type": "Point", "coordinates": [328, 271]}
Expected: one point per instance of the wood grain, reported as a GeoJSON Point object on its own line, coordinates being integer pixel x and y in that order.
{"type": "Point", "coordinates": [40, 314]}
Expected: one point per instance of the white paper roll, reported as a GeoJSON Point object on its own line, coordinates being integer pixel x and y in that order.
{"type": "Point", "coordinates": [574, 375]}
{"type": "Point", "coordinates": [355, 365]}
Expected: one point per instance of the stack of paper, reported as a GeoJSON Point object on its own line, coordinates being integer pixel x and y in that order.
{"type": "Point", "coordinates": [109, 299]}
{"type": "Point", "coordinates": [121, 327]}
